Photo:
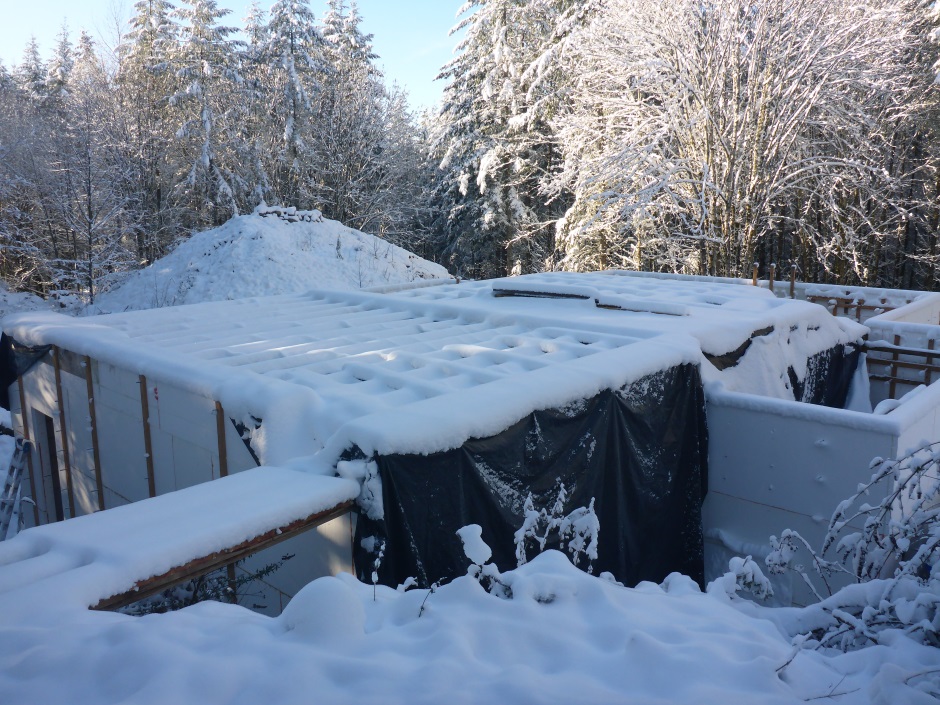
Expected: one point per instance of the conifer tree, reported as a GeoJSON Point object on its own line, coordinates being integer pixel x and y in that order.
{"type": "Point", "coordinates": [145, 80]}
{"type": "Point", "coordinates": [207, 106]}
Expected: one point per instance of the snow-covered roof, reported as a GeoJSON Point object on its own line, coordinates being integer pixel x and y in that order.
{"type": "Point", "coordinates": [424, 370]}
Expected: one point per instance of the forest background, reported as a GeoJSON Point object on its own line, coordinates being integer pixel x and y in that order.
{"type": "Point", "coordinates": [689, 136]}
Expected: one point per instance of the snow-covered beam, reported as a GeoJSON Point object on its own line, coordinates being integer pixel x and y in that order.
{"type": "Point", "coordinates": [206, 564]}
{"type": "Point", "coordinates": [120, 555]}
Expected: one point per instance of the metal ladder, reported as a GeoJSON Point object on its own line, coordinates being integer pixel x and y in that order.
{"type": "Point", "coordinates": [11, 498]}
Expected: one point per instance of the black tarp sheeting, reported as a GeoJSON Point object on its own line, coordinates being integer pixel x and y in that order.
{"type": "Point", "coordinates": [828, 377]}
{"type": "Point", "coordinates": [640, 452]}
{"type": "Point", "coordinates": [15, 360]}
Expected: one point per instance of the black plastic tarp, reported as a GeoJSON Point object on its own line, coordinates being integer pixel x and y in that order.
{"type": "Point", "coordinates": [828, 377]}
{"type": "Point", "coordinates": [640, 452]}
{"type": "Point", "coordinates": [15, 360]}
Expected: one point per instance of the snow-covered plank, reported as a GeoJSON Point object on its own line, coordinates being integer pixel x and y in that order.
{"type": "Point", "coordinates": [95, 559]}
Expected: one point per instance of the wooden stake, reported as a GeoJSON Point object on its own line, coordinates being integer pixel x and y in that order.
{"type": "Point", "coordinates": [93, 417]}
{"type": "Point", "coordinates": [793, 281]}
{"type": "Point", "coordinates": [148, 443]}
{"type": "Point", "coordinates": [927, 373]}
{"type": "Point", "coordinates": [754, 275]}
{"type": "Point", "coordinates": [223, 472]}
{"type": "Point", "coordinates": [893, 385]}
{"type": "Point", "coordinates": [773, 271]}
{"type": "Point", "coordinates": [220, 433]}
{"type": "Point", "coordinates": [62, 430]}
{"type": "Point", "coordinates": [29, 456]}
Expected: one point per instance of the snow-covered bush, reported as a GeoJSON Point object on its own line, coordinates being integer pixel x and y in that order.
{"type": "Point", "coordinates": [479, 553]}
{"type": "Point", "coordinates": [580, 528]}
{"type": "Point", "coordinates": [743, 574]}
{"type": "Point", "coordinates": [890, 548]}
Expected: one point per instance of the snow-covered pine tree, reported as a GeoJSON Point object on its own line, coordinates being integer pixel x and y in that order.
{"type": "Point", "coordinates": [494, 140]}
{"type": "Point", "coordinates": [367, 149]}
{"type": "Point", "coordinates": [293, 53]}
{"type": "Point", "coordinates": [60, 67]}
{"type": "Point", "coordinates": [30, 73]}
{"type": "Point", "coordinates": [208, 104]}
{"type": "Point", "coordinates": [145, 78]}
{"type": "Point", "coordinates": [255, 97]}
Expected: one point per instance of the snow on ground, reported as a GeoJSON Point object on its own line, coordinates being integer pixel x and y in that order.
{"type": "Point", "coordinates": [253, 255]}
{"type": "Point", "coordinates": [563, 637]}
{"type": "Point", "coordinates": [13, 302]}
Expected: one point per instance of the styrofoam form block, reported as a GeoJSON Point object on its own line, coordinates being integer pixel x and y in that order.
{"type": "Point", "coordinates": [77, 563]}
{"type": "Point", "coordinates": [81, 451]}
{"type": "Point", "coordinates": [39, 388]}
{"type": "Point", "coordinates": [751, 523]}
{"type": "Point", "coordinates": [183, 415]}
{"type": "Point", "coordinates": [917, 416]}
{"type": "Point", "coordinates": [114, 379]}
{"type": "Point", "coordinates": [164, 475]}
{"type": "Point", "coordinates": [925, 310]}
{"type": "Point", "coordinates": [123, 458]}
{"type": "Point", "coordinates": [795, 463]}
{"type": "Point", "coordinates": [130, 406]}
{"type": "Point", "coordinates": [192, 464]}
{"type": "Point", "coordinates": [926, 429]}
{"type": "Point", "coordinates": [325, 550]}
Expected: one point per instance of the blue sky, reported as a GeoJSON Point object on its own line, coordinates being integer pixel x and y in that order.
{"type": "Point", "coordinates": [411, 36]}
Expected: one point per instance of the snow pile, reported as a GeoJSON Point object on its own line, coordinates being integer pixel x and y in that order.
{"type": "Point", "coordinates": [12, 302]}
{"type": "Point", "coordinates": [282, 251]}
{"type": "Point", "coordinates": [562, 637]}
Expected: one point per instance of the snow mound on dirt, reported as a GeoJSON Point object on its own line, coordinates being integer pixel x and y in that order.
{"type": "Point", "coordinates": [272, 251]}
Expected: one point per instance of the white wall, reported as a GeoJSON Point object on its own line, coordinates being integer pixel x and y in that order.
{"type": "Point", "coordinates": [776, 465]}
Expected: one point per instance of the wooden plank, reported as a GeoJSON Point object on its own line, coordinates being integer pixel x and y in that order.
{"type": "Point", "coordinates": [220, 434]}
{"type": "Point", "coordinates": [63, 430]}
{"type": "Point", "coordinates": [24, 416]}
{"type": "Point", "coordinates": [892, 385]}
{"type": "Point", "coordinates": [148, 442]}
{"type": "Point", "coordinates": [900, 350]}
{"type": "Point", "coordinates": [904, 364]}
{"type": "Point", "coordinates": [93, 418]}
{"type": "Point", "coordinates": [207, 564]}
{"type": "Point", "coordinates": [929, 372]}
{"type": "Point", "coordinates": [898, 380]}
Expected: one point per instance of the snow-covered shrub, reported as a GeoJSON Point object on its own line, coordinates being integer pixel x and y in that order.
{"type": "Point", "coordinates": [580, 528]}
{"type": "Point", "coordinates": [743, 574]}
{"type": "Point", "coordinates": [479, 553]}
{"type": "Point", "coordinates": [891, 548]}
